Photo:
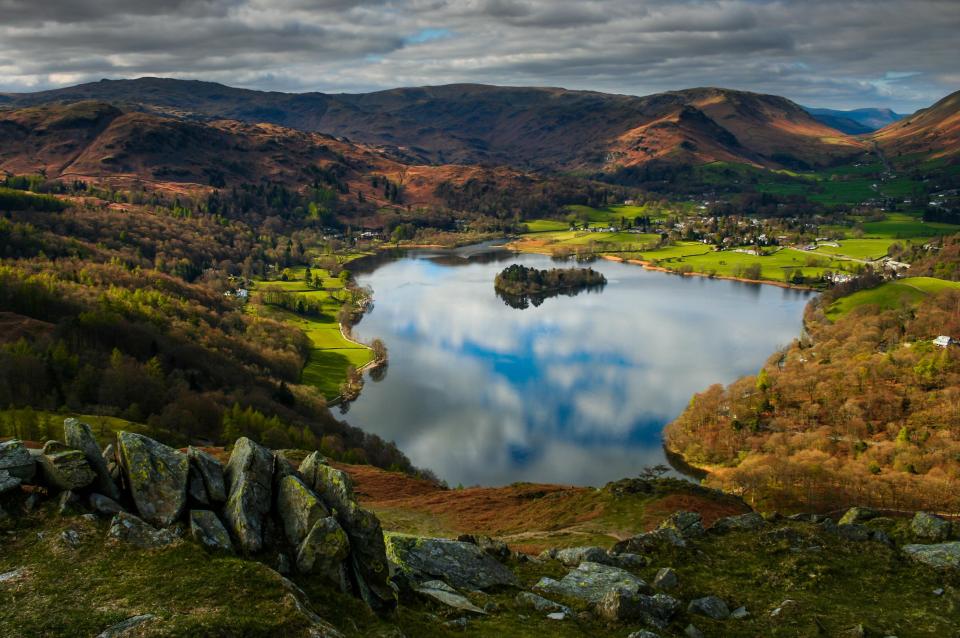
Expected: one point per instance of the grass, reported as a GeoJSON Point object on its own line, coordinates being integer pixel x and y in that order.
{"type": "Point", "coordinates": [332, 353]}
{"type": "Point", "coordinates": [890, 295]}
{"type": "Point", "coordinates": [907, 226]}
{"type": "Point", "coordinates": [868, 249]}
{"type": "Point", "coordinates": [104, 427]}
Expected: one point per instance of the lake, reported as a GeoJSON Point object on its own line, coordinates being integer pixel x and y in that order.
{"type": "Point", "coordinates": [573, 391]}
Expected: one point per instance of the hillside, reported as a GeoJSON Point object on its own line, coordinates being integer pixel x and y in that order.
{"type": "Point", "coordinates": [934, 131]}
{"type": "Point", "coordinates": [538, 128]}
{"type": "Point", "coordinates": [855, 121]}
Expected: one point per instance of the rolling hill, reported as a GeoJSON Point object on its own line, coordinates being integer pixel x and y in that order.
{"type": "Point", "coordinates": [529, 128]}
{"type": "Point", "coordinates": [934, 131]}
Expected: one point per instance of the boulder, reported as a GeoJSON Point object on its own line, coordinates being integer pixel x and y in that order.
{"type": "Point", "coordinates": [323, 551]}
{"type": "Point", "coordinates": [79, 436]}
{"type": "Point", "coordinates": [131, 529]}
{"type": "Point", "coordinates": [627, 605]}
{"type": "Point", "coordinates": [368, 556]}
{"type": "Point", "coordinates": [539, 603]}
{"type": "Point", "coordinates": [444, 594]}
{"type": "Point", "coordinates": [105, 505]}
{"type": "Point", "coordinates": [206, 529]}
{"type": "Point", "coordinates": [666, 578]}
{"type": "Point", "coordinates": [493, 546]}
{"type": "Point", "coordinates": [857, 515]}
{"type": "Point", "coordinates": [739, 613]}
{"type": "Point", "coordinates": [590, 582]}
{"type": "Point", "coordinates": [687, 524]}
{"type": "Point", "coordinates": [573, 556]}
{"type": "Point", "coordinates": [16, 460]}
{"type": "Point", "coordinates": [854, 532]}
{"type": "Point", "coordinates": [195, 487]}
{"type": "Point", "coordinates": [742, 522]}
{"type": "Point", "coordinates": [709, 606]}
{"type": "Point", "coordinates": [692, 632]}
{"type": "Point", "coordinates": [462, 565]}
{"type": "Point", "coordinates": [211, 471]}
{"type": "Point", "coordinates": [65, 469]}
{"type": "Point", "coordinates": [249, 474]}
{"type": "Point", "coordinates": [929, 527]}
{"type": "Point", "coordinates": [651, 542]}
{"type": "Point", "coordinates": [298, 508]}
{"type": "Point", "coordinates": [941, 555]}
{"type": "Point", "coordinates": [156, 476]}
{"type": "Point", "coordinates": [70, 538]}
{"type": "Point", "coordinates": [8, 483]}
{"type": "Point", "coordinates": [643, 633]}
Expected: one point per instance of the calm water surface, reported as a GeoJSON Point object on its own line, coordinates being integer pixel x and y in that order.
{"type": "Point", "coordinates": [574, 391]}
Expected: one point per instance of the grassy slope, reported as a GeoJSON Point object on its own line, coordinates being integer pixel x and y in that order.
{"type": "Point", "coordinates": [890, 295]}
{"type": "Point", "coordinates": [332, 353]}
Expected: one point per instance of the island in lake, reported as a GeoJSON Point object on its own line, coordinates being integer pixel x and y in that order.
{"type": "Point", "coordinates": [519, 286]}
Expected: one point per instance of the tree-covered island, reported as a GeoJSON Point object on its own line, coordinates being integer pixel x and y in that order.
{"type": "Point", "coordinates": [519, 285]}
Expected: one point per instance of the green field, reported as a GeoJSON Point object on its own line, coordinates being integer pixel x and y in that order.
{"type": "Point", "coordinates": [774, 267]}
{"type": "Point", "coordinates": [907, 226]}
{"type": "Point", "coordinates": [332, 354]}
{"type": "Point", "coordinates": [891, 295]}
{"type": "Point", "coordinates": [867, 249]}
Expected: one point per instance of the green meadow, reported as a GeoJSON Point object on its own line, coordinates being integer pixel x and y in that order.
{"type": "Point", "coordinates": [332, 354]}
{"type": "Point", "coordinates": [892, 294]}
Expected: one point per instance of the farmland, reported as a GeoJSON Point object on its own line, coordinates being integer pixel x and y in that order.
{"type": "Point", "coordinates": [890, 295]}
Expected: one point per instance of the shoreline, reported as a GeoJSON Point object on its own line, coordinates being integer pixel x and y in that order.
{"type": "Point", "coordinates": [648, 265]}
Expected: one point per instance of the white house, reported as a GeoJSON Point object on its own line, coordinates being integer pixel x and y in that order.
{"type": "Point", "coordinates": [944, 341]}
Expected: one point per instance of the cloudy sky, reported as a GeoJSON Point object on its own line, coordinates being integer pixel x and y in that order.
{"type": "Point", "coordinates": [837, 53]}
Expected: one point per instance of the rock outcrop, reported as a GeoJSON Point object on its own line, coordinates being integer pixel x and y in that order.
{"type": "Point", "coordinates": [210, 472]}
{"type": "Point", "coordinates": [16, 460]}
{"type": "Point", "coordinates": [590, 582]}
{"type": "Point", "coordinates": [65, 469]}
{"type": "Point", "coordinates": [940, 555]}
{"type": "Point", "coordinates": [206, 529]}
{"type": "Point", "coordinates": [155, 475]}
{"type": "Point", "coordinates": [131, 529]}
{"type": "Point", "coordinates": [929, 527]}
{"type": "Point", "coordinates": [462, 565]}
{"type": "Point", "coordinates": [249, 474]}
{"type": "Point", "coordinates": [79, 435]}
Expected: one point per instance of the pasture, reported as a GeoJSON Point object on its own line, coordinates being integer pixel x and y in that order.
{"type": "Point", "coordinates": [890, 295]}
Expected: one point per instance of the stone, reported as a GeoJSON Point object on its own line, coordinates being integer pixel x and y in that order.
{"type": "Point", "coordinates": [626, 560]}
{"type": "Point", "coordinates": [493, 546]}
{"type": "Point", "coordinates": [557, 615]}
{"type": "Point", "coordinates": [445, 594]}
{"type": "Point", "coordinates": [573, 556]}
{"type": "Point", "coordinates": [8, 483]}
{"type": "Point", "coordinates": [65, 469]}
{"type": "Point", "coordinates": [539, 603]}
{"type": "Point", "coordinates": [67, 503]}
{"type": "Point", "coordinates": [319, 628]}
{"type": "Point", "coordinates": [940, 555]}
{"type": "Point", "coordinates": [643, 633]}
{"type": "Point", "coordinates": [857, 515]}
{"type": "Point", "coordinates": [709, 606]}
{"type": "Point", "coordinates": [368, 558]}
{"type": "Point", "coordinates": [70, 537]}
{"type": "Point", "coordinates": [785, 609]}
{"type": "Point", "coordinates": [651, 542]}
{"type": "Point", "coordinates": [11, 576]}
{"type": "Point", "coordinates": [929, 527]}
{"type": "Point", "coordinates": [16, 459]}
{"type": "Point", "coordinates": [692, 632]}
{"type": "Point", "coordinates": [206, 529]}
{"type": "Point", "coordinates": [105, 505]}
{"type": "Point", "coordinates": [195, 487]}
{"type": "Point", "coordinates": [687, 524]}
{"type": "Point", "coordinates": [590, 582]}
{"type": "Point", "coordinates": [626, 605]}
{"type": "Point", "coordinates": [131, 529]}
{"type": "Point", "coordinates": [211, 471]}
{"type": "Point", "coordinates": [743, 522]}
{"type": "Point", "coordinates": [79, 436]}
{"type": "Point", "coordinates": [109, 454]}
{"type": "Point", "coordinates": [323, 550]}
{"type": "Point", "coordinates": [739, 613]}
{"type": "Point", "coordinates": [249, 474]}
{"type": "Point", "coordinates": [298, 508]}
{"type": "Point", "coordinates": [125, 627]}
{"type": "Point", "coordinates": [156, 476]}
{"type": "Point", "coordinates": [854, 532]}
{"type": "Point", "coordinates": [666, 578]}
{"type": "Point", "coordinates": [462, 565]}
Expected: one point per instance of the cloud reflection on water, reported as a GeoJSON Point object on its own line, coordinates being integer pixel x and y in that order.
{"type": "Point", "coordinates": [573, 391]}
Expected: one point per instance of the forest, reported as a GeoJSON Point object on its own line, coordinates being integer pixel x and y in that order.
{"type": "Point", "coordinates": [519, 285]}
{"type": "Point", "coordinates": [117, 308]}
{"type": "Point", "coordinates": [863, 410]}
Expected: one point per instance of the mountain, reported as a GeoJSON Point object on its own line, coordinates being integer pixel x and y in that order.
{"type": "Point", "coordinates": [530, 128]}
{"type": "Point", "coordinates": [856, 121]}
{"type": "Point", "coordinates": [933, 131]}
{"type": "Point", "coordinates": [97, 141]}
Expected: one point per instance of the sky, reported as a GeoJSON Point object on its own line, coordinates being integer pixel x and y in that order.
{"type": "Point", "coordinates": [900, 54]}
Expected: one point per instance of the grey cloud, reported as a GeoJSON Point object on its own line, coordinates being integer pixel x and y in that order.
{"type": "Point", "coordinates": [837, 53]}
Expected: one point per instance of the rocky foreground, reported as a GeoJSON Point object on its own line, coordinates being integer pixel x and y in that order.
{"type": "Point", "coordinates": [140, 539]}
